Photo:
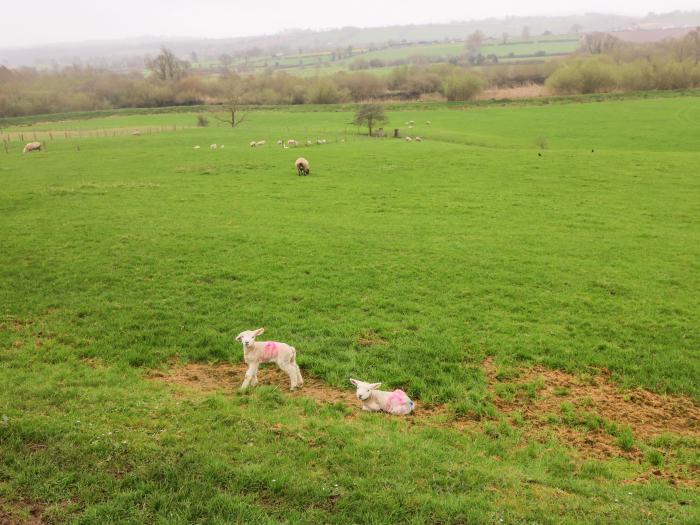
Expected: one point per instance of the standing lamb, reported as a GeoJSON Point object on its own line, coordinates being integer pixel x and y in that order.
{"type": "Point", "coordinates": [213, 146]}
{"type": "Point", "coordinates": [302, 166]}
{"type": "Point", "coordinates": [374, 400]}
{"type": "Point", "coordinates": [32, 146]}
{"type": "Point", "coordinates": [408, 139]}
{"type": "Point", "coordinates": [256, 353]}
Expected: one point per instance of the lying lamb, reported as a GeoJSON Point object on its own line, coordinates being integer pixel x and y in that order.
{"type": "Point", "coordinates": [373, 400]}
{"type": "Point", "coordinates": [32, 146]}
{"type": "Point", "coordinates": [255, 353]}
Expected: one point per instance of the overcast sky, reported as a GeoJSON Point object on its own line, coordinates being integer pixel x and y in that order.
{"type": "Point", "coordinates": [49, 21]}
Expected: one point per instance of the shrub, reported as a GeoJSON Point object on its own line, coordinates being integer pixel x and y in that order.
{"type": "Point", "coordinates": [462, 86]}
{"type": "Point", "coordinates": [202, 121]}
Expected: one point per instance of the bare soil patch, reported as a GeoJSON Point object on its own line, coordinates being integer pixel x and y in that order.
{"type": "Point", "coordinates": [20, 513]}
{"type": "Point", "coordinates": [647, 414]}
{"type": "Point", "coordinates": [204, 377]}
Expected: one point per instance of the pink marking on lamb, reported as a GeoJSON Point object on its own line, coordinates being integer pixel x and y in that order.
{"type": "Point", "coordinates": [270, 351]}
{"type": "Point", "coordinates": [397, 400]}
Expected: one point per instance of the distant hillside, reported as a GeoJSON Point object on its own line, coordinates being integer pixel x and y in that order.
{"type": "Point", "coordinates": [128, 54]}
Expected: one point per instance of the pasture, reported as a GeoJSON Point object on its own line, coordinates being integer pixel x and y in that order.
{"type": "Point", "coordinates": [529, 274]}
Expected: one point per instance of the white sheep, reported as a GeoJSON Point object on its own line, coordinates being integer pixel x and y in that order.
{"type": "Point", "coordinates": [32, 146]}
{"type": "Point", "coordinates": [256, 353]}
{"type": "Point", "coordinates": [302, 166]}
{"type": "Point", "coordinates": [280, 142]}
{"type": "Point", "coordinates": [260, 143]}
{"type": "Point", "coordinates": [222, 146]}
{"type": "Point", "coordinates": [374, 400]}
{"type": "Point", "coordinates": [320, 141]}
{"type": "Point", "coordinates": [411, 122]}
{"type": "Point", "coordinates": [292, 142]}
{"type": "Point", "coordinates": [427, 122]}
{"type": "Point", "coordinates": [253, 143]}
{"type": "Point", "coordinates": [408, 139]}
{"type": "Point", "coordinates": [308, 142]}
{"type": "Point", "coordinates": [136, 133]}
{"type": "Point", "coordinates": [418, 139]}
{"type": "Point", "coordinates": [195, 147]}
{"type": "Point", "coordinates": [213, 146]}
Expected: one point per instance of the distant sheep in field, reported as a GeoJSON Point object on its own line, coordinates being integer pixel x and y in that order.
{"type": "Point", "coordinates": [253, 143]}
{"type": "Point", "coordinates": [32, 146]}
{"type": "Point", "coordinates": [302, 166]}
{"type": "Point", "coordinates": [136, 133]}
{"type": "Point", "coordinates": [213, 146]}
{"type": "Point", "coordinates": [320, 141]}
{"type": "Point", "coordinates": [260, 143]}
{"type": "Point", "coordinates": [195, 147]}
{"type": "Point", "coordinates": [408, 139]}
{"type": "Point", "coordinates": [308, 142]}
{"type": "Point", "coordinates": [280, 142]}
{"type": "Point", "coordinates": [292, 142]}
{"type": "Point", "coordinates": [428, 122]}
{"type": "Point", "coordinates": [418, 139]}
{"type": "Point", "coordinates": [256, 353]}
{"type": "Point", "coordinates": [374, 400]}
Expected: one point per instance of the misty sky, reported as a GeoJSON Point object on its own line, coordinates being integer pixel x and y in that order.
{"type": "Point", "coordinates": [49, 21]}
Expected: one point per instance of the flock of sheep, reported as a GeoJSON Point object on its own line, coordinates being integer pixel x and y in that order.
{"type": "Point", "coordinates": [284, 356]}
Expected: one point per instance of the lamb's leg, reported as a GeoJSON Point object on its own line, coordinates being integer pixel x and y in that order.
{"type": "Point", "coordinates": [249, 375]}
{"type": "Point", "coordinates": [290, 370]}
{"type": "Point", "coordinates": [300, 380]}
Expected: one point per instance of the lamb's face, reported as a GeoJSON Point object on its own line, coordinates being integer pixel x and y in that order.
{"type": "Point", "coordinates": [364, 390]}
{"type": "Point", "coordinates": [248, 337]}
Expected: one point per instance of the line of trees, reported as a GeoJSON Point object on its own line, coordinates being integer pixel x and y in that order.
{"type": "Point", "coordinates": [603, 64]}
{"type": "Point", "coordinates": [607, 64]}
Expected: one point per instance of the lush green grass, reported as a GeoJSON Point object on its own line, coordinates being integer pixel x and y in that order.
{"type": "Point", "coordinates": [135, 250]}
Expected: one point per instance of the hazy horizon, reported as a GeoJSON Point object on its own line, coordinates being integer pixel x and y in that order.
{"type": "Point", "coordinates": [80, 20]}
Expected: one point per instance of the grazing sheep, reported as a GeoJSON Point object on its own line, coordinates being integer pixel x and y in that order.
{"type": "Point", "coordinates": [222, 146]}
{"type": "Point", "coordinates": [195, 147]}
{"type": "Point", "coordinates": [308, 143]}
{"type": "Point", "coordinates": [292, 142]}
{"type": "Point", "coordinates": [260, 143]}
{"type": "Point", "coordinates": [32, 146]}
{"type": "Point", "coordinates": [302, 166]}
{"type": "Point", "coordinates": [374, 400]}
{"type": "Point", "coordinates": [411, 122]}
{"type": "Point", "coordinates": [280, 142]}
{"type": "Point", "coordinates": [428, 122]}
{"type": "Point", "coordinates": [213, 146]}
{"type": "Point", "coordinates": [418, 139]}
{"type": "Point", "coordinates": [320, 141]}
{"type": "Point", "coordinates": [255, 353]}
{"type": "Point", "coordinates": [253, 143]}
{"type": "Point", "coordinates": [408, 139]}
{"type": "Point", "coordinates": [136, 133]}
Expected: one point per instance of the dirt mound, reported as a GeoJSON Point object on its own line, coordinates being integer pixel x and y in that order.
{"type": "Point", "coordinates": [585, 409]}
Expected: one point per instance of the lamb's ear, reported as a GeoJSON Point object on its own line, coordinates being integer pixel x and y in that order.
{"type": "Point", "coordinates": [354, 381]}
{"type": "Point", "coordinates": [259, 331]}
{"type": "Point", "coordinates": [374, 386]}
{"type": "Point", "coordinates": [238, 337]}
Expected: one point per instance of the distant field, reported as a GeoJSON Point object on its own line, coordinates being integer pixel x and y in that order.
{"type": "Point", "coordinates": [504, 285]}
{"type": "Point", "coordinates": [323, 63]}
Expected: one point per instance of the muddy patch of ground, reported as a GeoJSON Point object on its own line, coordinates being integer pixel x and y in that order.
{"type": "Point", "coordinates": [593, 414]}
{"type": "Point", "coordinates": [204, 377]}
{"type": "Point", "coordinates": [20, 513]}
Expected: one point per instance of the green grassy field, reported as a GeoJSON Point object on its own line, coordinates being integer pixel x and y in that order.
{"type": "Point", "coordinates": [407, 263]}
{"type": "Point", "coordinates": [306, 64]}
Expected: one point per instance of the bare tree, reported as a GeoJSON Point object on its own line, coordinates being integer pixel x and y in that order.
{"type": "Point", "coordinates": [599, 43]}
{"type": "Point", "coordinates": [167, 66]}
{"type": "Point", "coordinates": [474, 42]}
{"type": "Point", "coordinates": [233, 104]}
